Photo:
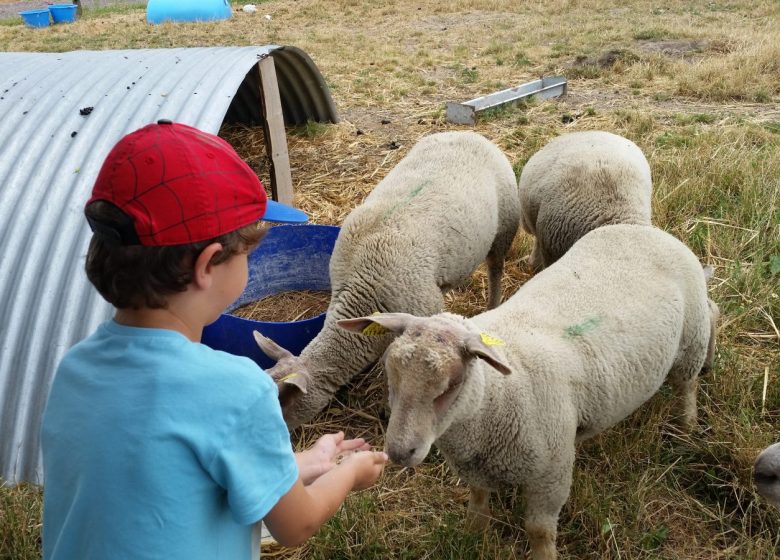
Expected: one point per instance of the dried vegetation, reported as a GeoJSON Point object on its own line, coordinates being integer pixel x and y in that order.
{"type": "Point", "coordinates": [696, 84]}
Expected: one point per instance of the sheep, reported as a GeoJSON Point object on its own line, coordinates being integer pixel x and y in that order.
{"type": "Point", "coordinates": [507, 394]}
{"type": "Point", "coordinates": [447, 206]}
{"type": "Point", "coordinates": [766, 474]}
{"type": "Point", "coordinates": [578, 182]}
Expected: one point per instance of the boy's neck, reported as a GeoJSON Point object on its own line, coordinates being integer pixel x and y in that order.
{"type": "Point", "coordinates": [168, 319]}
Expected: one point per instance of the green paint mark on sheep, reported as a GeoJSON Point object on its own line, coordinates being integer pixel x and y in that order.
{"type": "Point", "coordinates": [409, 197]}
{"type": "Point", "coordinates": [582, 328]}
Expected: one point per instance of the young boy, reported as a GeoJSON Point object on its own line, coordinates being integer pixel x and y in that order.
{"type": "Point", "coordinates": [154, 445]}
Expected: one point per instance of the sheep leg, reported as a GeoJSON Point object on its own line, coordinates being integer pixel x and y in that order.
{"type": "Point", "coordinates": [537, 257]}
{"type": "Point", "coordinates": [686, 398]}
{"type": "Point", "coordinates": [495, 266]}
{"type": "Point", "coordinates": [478, 514]}
{"type": "Point", "coordinates": [545, 498]}
{"type": "Point", "coordinates": [714, 314]}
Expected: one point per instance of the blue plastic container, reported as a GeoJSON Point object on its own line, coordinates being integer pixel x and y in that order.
{"type": "Point", "coordinates": [35, 18]}
{"type": "Point", "coordinates": [289, 258]}
{"type": "Point", "coordinates": [63, 13]}
{"type": "Point", "coordinates": [160, 11]}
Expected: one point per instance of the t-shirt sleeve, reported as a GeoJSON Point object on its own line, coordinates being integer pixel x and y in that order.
{"type": "Point", "coordinates": [256, 463]}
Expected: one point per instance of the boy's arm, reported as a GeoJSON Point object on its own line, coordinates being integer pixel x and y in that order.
{"type": "Point", "coordinates": [300, 513]}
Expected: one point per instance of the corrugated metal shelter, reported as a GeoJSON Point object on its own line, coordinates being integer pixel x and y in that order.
{"type": "Point", "coordinates": [50, 154]}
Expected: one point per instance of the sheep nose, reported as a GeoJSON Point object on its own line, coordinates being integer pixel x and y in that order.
{"type": "Point", "coordinates": [765, 469]}
{"type": "Point", "coordinates": [400, 454]}
{"type": "Point", "coordinates": [762, 473]}
{"type": "Point", "coordinates": [764, 478]}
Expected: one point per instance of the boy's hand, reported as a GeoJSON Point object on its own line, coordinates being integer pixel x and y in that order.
{"type": "Point", "coordinates": [367, 465]}
{"type": "Point", "coordinates": [301, 511]}
{"type": "Point", "coordinates": [324, 455]}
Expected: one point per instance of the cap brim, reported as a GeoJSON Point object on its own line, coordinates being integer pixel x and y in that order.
{"type": "Point", "coordinates": [276, 212]}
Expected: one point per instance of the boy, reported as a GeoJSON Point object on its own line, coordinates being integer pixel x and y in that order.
{"type": "Point", "coordinates": [155, 446]}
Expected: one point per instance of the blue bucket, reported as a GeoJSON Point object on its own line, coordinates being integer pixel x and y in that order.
{"type": "Point", "coordinates": [63, 13]}
{"type": "Point", "coordinates": [35, 18]}
{"type": "Point", "coordinates": [160, 11]}
{"type": "Point", "coordinates": [289, 258]}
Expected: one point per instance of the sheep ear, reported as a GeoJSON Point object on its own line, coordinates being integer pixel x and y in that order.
{"type": "Point", "coordinates": [291, 386]}
{"type": "Point", "coordinates": [270, 348]}
{"type": "Point", "coordinates": [378, 324]}
{"type": "Point", "coordinates": [482, 346]}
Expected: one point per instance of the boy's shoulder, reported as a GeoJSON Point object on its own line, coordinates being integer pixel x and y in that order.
{"type": "Point", "coordinates": [122, 347]}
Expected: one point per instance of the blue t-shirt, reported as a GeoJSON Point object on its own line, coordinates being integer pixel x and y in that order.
{"type": "Point", "coordinates": [155, 447]}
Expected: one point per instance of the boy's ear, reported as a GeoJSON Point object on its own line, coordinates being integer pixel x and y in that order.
{"type": "Point", "coordinates": [201, 270]}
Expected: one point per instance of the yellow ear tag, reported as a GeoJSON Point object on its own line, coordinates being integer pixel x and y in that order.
{"type": "Point", "coordinates": [374, 329]}
{"type": "Point", "coordinates": [287, 377]}
{"type": "Point", "coordinates": [488, 340]}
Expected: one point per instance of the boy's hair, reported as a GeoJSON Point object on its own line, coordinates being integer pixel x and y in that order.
{"type": "Point", "coordinates": [164, 193]}
{"type": "Point", "coordinates": [136, 276]}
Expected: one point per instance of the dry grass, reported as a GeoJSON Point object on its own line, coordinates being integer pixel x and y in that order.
{"type": "Point", "coordinates": [695, 85]}
{"type": "Point", "coordinates": [20, 522]}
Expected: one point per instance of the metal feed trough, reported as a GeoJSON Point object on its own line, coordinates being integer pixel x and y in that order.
{"type": "Point", "coordinates": [544, 88]}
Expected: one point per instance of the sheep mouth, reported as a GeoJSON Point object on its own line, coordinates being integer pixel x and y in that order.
{"type": "Point", "coordinates": [408, 457]}
{"type": "Point", "coordinates": [768, 486]}
{"type": "Point", "coordinates": [764, 479]}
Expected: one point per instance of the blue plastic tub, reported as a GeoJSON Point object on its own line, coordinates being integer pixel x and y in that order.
{"type": "Point", "coordinates": [35, 18]}
{"type": "Point", "coordinates": [289, 258]}
{"type": "Point", "coordinates": [160, 11]}
{"type": "Point", "coordinates": [63, 13]}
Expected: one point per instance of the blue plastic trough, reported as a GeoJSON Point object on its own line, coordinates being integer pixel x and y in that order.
{"type": "Point", "coordinates": [35, 18]}
{"type": "Point", "coordinates": [160, 11]}
{"type": "Point", "coordinates": [63, 13]}
{"type": "Point", "coordinates": [290, 258]}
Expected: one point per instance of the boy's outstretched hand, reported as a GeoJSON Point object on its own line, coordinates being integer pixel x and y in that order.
{"type": "Point", "coordinates": [367, 467]}
{"type": "Point", "coordinates": [325, 454]}
{"type": "Point", "coordinates": [322, 486]}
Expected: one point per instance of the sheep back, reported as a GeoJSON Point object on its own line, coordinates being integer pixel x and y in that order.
{"type": "Point", "coordinates": [452, 198]}
{"type": "Point", "coordinates": [578, 182]}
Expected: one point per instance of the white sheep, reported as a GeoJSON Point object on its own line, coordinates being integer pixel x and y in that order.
{"type": "Point", "coordinates": [578, 182]}
{"type": "Point", "coordinates": [766, 473]}
{"type": "Point", "coordinates": [446, 207]}
{"type": "Point", "coordinates": [507, 394]}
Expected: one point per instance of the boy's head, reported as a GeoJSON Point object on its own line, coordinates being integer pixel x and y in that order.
{"type": "Point", "coordinates": [164, 193]}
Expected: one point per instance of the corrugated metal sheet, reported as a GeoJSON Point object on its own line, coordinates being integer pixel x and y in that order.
{"type": "Point", "coordinates": [50, 155]}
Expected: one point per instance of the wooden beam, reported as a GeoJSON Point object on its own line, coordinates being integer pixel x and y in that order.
{"type": "Point", "coordinates": [275, 136]}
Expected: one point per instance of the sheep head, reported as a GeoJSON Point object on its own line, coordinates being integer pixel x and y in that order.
{"type": "Point", "coordinates": [766, 473]}
{"type": "Point", "coordinates": [289, 372]}
{"type": "Point", "coordinates": [427, 365]}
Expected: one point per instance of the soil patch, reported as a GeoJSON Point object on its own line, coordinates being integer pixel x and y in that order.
{"type": "Point", "coordinates": [677, 48]}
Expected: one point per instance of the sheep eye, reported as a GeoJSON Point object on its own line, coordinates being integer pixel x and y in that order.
{"type": "Point", "coordinates": [453, 384]}
{"type": "Point", "coordinates": [437, 402]}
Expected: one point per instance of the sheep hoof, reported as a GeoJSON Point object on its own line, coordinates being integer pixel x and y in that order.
{"type": "Point", "coordinates": [477, 522]}
{"type": "Point", "coordinates": [542, 541]}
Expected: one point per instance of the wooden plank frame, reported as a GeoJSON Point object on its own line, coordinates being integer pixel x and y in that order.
{"type": "Point", "coordinates": [275, 135]}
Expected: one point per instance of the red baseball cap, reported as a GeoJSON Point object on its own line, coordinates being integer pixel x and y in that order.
{"type": "Point", "coordinates": [180, 185]}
